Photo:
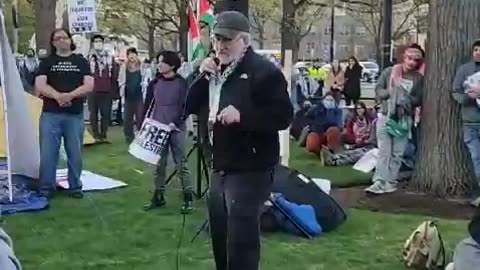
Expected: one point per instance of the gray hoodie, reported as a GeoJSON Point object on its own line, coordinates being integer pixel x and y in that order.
{"type": "Point", "coordinates": [470, 109]}
{"type": "Point", "coordinates": [8, 261]}
{"type": "Point", "coordinates": [390, 95]}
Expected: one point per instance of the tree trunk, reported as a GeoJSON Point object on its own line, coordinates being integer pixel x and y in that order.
{"type": "Point", "coordinates": [445, 168]}
{"type": "Point", "coordinates": [288, 23]}
{"type": "Point", "coordinates": [183, 28]}
{"type": "Point", "coordinates": [44, 23]}
{"type": "Point", "coordinates": [261, 37]}
{"type": "Point", "coordinates": [151, 41]}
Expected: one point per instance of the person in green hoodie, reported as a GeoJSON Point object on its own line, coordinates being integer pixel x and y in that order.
{"type": "Point", "coordinates": [466, 91]}
{"type": "Point", "coordinates": [399, 88]}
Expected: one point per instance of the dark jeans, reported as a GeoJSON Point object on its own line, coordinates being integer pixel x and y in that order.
{"type": "Point", "coordinates": [133, 109]}
{"type": "Point", "coordinates": [177, 146]}
{"type": "Point", "coordinates": [100, 102]}
{"type": "Point", "coordinates": [234, 205]}
{"type": "Point", "coordinates": [54, 127]}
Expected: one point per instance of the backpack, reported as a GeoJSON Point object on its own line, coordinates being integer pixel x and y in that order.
{"type": "Point", "coordinates": [424, 249]}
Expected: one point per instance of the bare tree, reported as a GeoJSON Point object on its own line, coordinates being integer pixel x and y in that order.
{"type": "Point", "coordinates": [298, 17]}
{"type": "Point", "coordinates": [369, 13]}
{"type": "Point", "coordinates": [146, 18]}
{"type": "Point", "coordinates": [445, 168]}
{"type": "Point", "coordinates": [261, 13]}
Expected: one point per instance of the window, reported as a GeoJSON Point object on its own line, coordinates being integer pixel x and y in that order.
{"type": "Point", "coordinates": [361, 30]}
{"type": "Point", "coordinates": [326, 30]}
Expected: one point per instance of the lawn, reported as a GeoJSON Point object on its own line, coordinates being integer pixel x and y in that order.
{"type": "Point", "coordinates": [110, 231]}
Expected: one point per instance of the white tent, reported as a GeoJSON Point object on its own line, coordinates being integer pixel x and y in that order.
{"type": "Point", "coordinates": [22, 148]}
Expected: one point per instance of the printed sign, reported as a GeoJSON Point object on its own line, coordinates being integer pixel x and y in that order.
{"type": "Point", "coordinates": [82, 16]}
{"type": "Point", "coordinates": [150, 142]}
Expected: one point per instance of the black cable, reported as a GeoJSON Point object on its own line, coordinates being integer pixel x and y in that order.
{"type": "Point", "coordinates": [182, 233]}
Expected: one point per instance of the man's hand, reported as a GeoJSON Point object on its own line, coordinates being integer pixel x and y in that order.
{"type": "Point", "coordinates": [229, 115]}
{"type": "Point", "coordinates": [209, 66]}
{"type": "Point", "coordinates": [64, 99]}
{"type": "Point", "coordinates": [473, 92]}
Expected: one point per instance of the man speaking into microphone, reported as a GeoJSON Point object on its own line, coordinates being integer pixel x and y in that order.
{"type": "Point", "coordinates": [249, 104]}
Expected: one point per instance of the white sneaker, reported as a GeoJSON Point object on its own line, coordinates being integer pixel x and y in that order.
{"type": "Point", "coordinates": [389, 188]}
{"type": "Point", "coordinates": [476, 202]}
{"type": "Point", "coordinates": [376, 188]}
{"type": "Point", "coordinates": [450, 267]}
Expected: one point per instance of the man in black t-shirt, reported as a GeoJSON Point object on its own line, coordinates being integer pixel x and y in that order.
{"type": "Point", "coordinates": [63, 80]}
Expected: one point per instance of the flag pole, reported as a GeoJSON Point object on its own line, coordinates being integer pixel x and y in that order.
{"type": "Point", "coordinates": [5, 110]}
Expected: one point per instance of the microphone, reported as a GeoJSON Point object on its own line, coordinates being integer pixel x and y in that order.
{"type": "Point", "coordinates": [204, 73]}
{"type": "Point", "coordinates": [198, 78]}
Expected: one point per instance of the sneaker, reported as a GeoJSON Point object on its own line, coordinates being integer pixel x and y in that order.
{"type": "Point", "coordinates": [302, 139]}
{"type": "Point", "coordinates": [450, 267]}
{"type": "Point", "coordinates": [187, 206]}
{"type": "Point", "coordinates": [476, 202]}
{"type": "Point", "coordinates": [389, 188]}
{"type": "Point", "coordinates": [157, 201]}
{"type": "Point", "coordinates": [327, 157]}
{"type": "Point", "coordinates": [376, 188]}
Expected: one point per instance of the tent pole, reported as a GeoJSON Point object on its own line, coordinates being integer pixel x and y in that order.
{"type": "Point", "coordinates": [5, 110]}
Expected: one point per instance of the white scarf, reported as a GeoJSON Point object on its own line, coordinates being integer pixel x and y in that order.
{"type": "Point", "coordinates": [215, 90]}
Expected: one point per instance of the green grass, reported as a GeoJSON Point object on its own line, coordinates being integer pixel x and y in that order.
{"type": "Point", "coordinates": [110, 231]}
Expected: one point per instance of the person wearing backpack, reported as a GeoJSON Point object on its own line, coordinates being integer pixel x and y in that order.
{"type": "Point", "coordinates": [467, 252]}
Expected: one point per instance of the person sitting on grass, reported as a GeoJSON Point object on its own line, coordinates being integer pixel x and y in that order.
{"type": "Point", "coordinates": [358, 139]}
{"type": "Point", "coordinates": [467, 252]}
{"type": "Point", "coordinates": [8, 260]}
{"type": "Point", "coordinates": [323, 125]}
{"type": "Point", "coordinates": [358, 129]}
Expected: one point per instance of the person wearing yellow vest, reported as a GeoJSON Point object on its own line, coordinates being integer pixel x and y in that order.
{"type": "Point", "coordinates": [318, 74]}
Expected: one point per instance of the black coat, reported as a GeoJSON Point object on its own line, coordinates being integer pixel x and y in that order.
{"type": "Point", "coordinates": [258, 89]}
{"type": "Point", "coordinates": [352, 82]}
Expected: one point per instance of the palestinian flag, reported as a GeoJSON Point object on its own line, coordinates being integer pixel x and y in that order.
{"type": "Point", "coordinates": [205, 12]}
{"type": "Point", "coordinates": [196, 49]}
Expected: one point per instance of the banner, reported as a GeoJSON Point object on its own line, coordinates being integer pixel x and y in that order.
{"type": "Point", "coordinates": [21, 138]}
{"type": "Point", "coordinates": [82, 16]}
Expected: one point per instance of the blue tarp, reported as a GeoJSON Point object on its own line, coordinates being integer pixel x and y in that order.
{"type": "Point", "coordinates": [24, 200]}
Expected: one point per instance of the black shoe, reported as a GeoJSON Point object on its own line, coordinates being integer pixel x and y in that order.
{"type": "Point", "coordinates": [157, 201]}
{"type": "Point", "coordinates": [187, 206]}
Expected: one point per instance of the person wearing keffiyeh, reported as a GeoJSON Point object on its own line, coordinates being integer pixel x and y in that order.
{"type": "Point", "coordinates": [399, 89]}
{"type": "Point", "coordinates": [105, 71]}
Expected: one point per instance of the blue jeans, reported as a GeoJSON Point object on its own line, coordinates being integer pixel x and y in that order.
{"type": "Point", "coordinates": [471, 136]}
{"type": "Point", "coordinates": [54, 127]}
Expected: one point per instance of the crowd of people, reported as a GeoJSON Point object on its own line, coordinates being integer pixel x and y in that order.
{"type": "Point", "coordinates": [392, 125]}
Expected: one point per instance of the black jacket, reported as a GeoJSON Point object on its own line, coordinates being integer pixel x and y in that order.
{"type": "Point", "coordinates": [258, 90]}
